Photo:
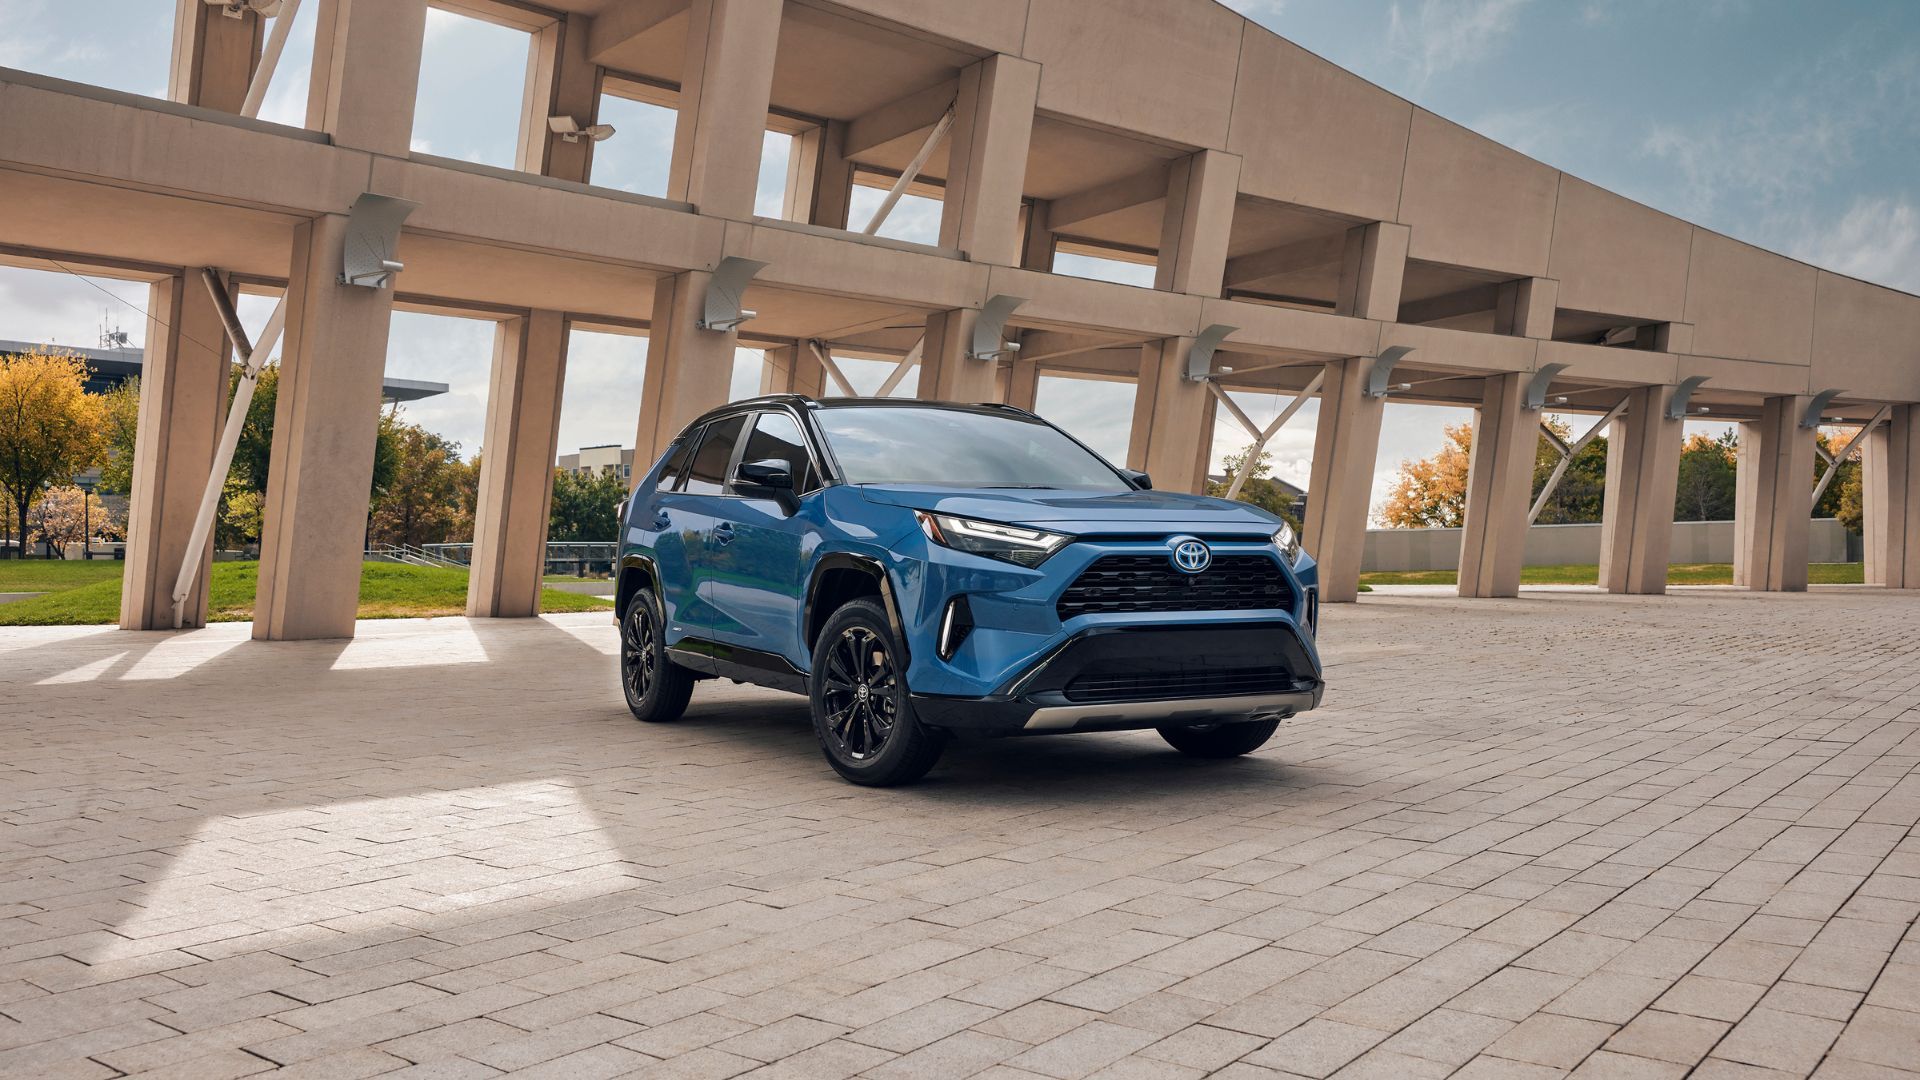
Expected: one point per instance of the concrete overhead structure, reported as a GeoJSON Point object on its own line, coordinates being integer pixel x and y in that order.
{"type": "Point", "coordinates": [1312, 219]}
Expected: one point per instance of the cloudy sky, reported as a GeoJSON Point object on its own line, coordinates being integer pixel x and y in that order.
{"type": "Point", "coordinates": [1791, 125]}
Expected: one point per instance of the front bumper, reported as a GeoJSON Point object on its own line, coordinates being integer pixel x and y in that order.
{"type": "Point", "coordinates": [1125, 678]}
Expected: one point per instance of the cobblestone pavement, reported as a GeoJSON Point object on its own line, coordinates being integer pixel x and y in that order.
{"type": "Point", "coordinates": [1566, 833]}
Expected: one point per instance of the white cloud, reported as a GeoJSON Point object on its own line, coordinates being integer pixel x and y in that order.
{"type": "Point", "coordinates": [1438, 36]}
{"type": "Point", "coordinates": [1875, 239]}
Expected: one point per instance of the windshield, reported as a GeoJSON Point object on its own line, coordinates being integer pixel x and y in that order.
{"type": "Point", "coordinates": [917, 445]}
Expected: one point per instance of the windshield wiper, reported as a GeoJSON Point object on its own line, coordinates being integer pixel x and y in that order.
{"type": "Point", "coordinates": [1031, 487]}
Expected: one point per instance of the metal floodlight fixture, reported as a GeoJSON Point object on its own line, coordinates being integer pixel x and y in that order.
{"type": "Point", "coordinates": [570, 130]}
{"type": "Point", "coordinates": [733, 323]}
{"type": "Point", "coordinates": [1702, 410]}
{"type": "Point", "coordinates": [1560, 399]}
{"type": "Point", "coordinates": [1403, 386]}
{"type": "Point", "coordinates": [234, 9]}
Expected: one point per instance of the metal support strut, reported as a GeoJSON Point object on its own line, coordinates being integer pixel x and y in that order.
{"type": "Point", "coordinates": [1261, 435]}
{"type": "Point", "coordinates": [1834, 460]}
{"type": "Point", "coordinates": [1567, 452]}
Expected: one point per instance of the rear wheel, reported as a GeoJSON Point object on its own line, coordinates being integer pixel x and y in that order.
{"type": "Point", "coordinates": [1220, 740]}
{"type": "Point", "coordinates": [657, 689]}
{"type": "Point", "coordinates": [862, 712]}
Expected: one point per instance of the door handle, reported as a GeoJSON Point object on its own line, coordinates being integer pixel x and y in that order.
{"type": "Point", "coordinates": [723, 533]}
{"type": "Point", "coordinates": [661, 519]}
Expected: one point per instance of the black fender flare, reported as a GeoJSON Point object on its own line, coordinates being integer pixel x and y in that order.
{"type": "Point", "coordinates": [866, 564]}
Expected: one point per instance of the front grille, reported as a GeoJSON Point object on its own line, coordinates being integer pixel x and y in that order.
{"type": "Point", "coordinates": [1136, 583]}
{"type": "Point", "coordinates": [1163, 685]}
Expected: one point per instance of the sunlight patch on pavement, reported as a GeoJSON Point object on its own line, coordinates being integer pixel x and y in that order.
{"type": "Point", "coordinates": [181, 654]}
{"type": "Point", "coordinates": [85, 672]}
{"type": "Point", "coordinates": [404, 643]}
{"type": "Point", "coordinates": [394, 861]}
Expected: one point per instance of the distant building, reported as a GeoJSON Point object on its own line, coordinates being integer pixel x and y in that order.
{"type": "Point", "coordinates": [596, 460]}
{"type": "Point", "coordinates": [108, 368]}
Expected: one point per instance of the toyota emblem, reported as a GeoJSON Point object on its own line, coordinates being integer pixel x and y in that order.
{"type": "Point", "coordinates": [1191, 556]}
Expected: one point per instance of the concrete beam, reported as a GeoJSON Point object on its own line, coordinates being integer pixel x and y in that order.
{"type": "Point", "coordinates": [1451, 305]}
{"type": "Point", "coordinates": [1372, 270]}
{"type": "Point", "coordinates": [516, 472]}
{"type": "Point", "coordinates": [620, 23]}
{"type": "Point", "coordinates": [947, 373]}
{"type": "Point", "coordinates": [688, 369]}
{"type": "Point", "coordinates": [1172, 434]}
{"type": "Point", "coordinates": [561, 81]}
{"type": "Point", "coordinates": [1525, 308]}
{"type": "Point", "coordinates": [913, 114]}
{"type": "Point", "coordinates": [819, 177]}
{"type": "Point", "coordinates": [1128, 191]}
{"type": "Point", "coordinates": [1315, 254]}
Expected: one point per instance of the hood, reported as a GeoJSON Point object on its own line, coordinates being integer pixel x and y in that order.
{"type": "Point", "coordinates": [1082, 512]}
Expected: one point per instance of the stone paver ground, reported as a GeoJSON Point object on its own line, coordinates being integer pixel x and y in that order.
{"type": "Point", "coordinates": [1568, 833]}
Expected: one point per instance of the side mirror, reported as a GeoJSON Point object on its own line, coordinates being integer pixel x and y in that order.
{"type": "Point", "coordinates": [769, 475]}
{"type": "Point", "coordinates": [1138, 479]}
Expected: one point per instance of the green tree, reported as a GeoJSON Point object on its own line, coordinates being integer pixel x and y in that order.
{"type": "Point", "coordinates": [1260, 489]}
{"type": "Point", "coordinates": [50, 428]}
{"type": "Point", "coordinates": [1832, 501]}
{"type": "Point", "coordinates": [585, 507]}
{"type": "Point", "coordinates": [1706, 487]}
{"type": "Point", "coordinates": [420, 501]}
{"type": "Point", "coordinates": [120, 414]}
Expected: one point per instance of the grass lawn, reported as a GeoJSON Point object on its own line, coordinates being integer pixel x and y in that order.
{"type": "Point", "coordinates": [1677, 574]}
{"type": "Point", "coordinates": [89, 593]}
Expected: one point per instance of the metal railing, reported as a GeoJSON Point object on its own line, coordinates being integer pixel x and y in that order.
{"type": "Point", "coordinates": [580, 558]}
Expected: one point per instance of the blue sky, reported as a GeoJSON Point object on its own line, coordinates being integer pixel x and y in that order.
{"type": "Point", "coordinates": [1795, 126]}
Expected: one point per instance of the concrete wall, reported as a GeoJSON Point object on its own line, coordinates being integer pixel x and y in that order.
{"type": "Point", "coordinates": [1578, 545]}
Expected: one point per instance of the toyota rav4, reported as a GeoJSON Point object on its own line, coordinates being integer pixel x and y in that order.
{"type": "Point", "coordinates": [923, 570]}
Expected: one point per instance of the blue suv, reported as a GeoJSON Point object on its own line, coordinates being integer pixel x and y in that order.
{"type": "Point", "coordinates": [923, 570]}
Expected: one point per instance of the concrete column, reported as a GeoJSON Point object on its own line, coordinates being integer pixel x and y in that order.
{"type": "Point", "coordinates": [1036, 252]}
{"type": "Point", "coordinates": [1372, 269]}
{"type": "Point", "coordinates": [1779, 506]}
{"type": "Point", "coordinates": [1346, 443]}
{"type": "Point", "coordinates": [1172, 435]}
{"type": "Point", "coordinates": [183, 398]}
{"type": "Point", "coordinates": [947, 373]}
{"type": "Point", "coordinates": [366, 72]}
{"type": "Point", "coordinates": [1023, 383]}
{"type": "Point", "coordinates": [325, 420]}
{"type": "Point", "coordinates": [793, 369]}
{"type": "Point", "coordinates": [1643, 473]}
{"type": "Point", "coordinates": [1525, 308]}
{"type": "Point", "coordinates": [516, 470]}
{"type": "Point", "coordinates": [725, 84]}
{"type": "Point", "coordinates": [213, 56]}
{"type": "Point", "coordinates": [1201, 190]}
{"type": "Point", "coordinates": [1506, 444]}
{"type": "Point", "coordinates": [561, 81]}
{"type": "Point", "coordinates": [987, 159]}
{"type": "Point", "coordinates": [819, 177]}
{"type": "Point", "coordinates": [688, 369]}
{"type": "Point", "coordinates": [1890, 497]}
{"type": "Point", "coordinates": [1746, 488]}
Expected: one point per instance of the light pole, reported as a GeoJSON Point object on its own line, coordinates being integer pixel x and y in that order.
{"type": "Point", "coordinates": [85, 484]}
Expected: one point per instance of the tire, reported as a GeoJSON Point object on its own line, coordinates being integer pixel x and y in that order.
{"type": "Point", "coordinates": [1220, 740]}
{"type": "Point", "coordinates": [862, 711]}
{"type": "Point", "coordinates": [657, 689]}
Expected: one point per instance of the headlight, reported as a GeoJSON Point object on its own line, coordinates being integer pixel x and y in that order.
{"type": "Point", "coordinates": [1288, 542]}
{"type": "Point", "coordinates": [1010, 543]}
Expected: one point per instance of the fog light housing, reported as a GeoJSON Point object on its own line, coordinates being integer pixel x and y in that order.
{"type": "Point", "coordinates": [955, 624]}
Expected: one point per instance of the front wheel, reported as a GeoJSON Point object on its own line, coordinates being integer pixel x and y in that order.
{"type": "Point", "coordinates": [657, 689]}
{"type": "Point", "coordinates": [1220, 740]}
{"type": "Point", "coordinates": [862, 712]}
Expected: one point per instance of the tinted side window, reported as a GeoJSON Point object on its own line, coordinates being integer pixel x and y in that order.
{"type": "Point", "coordinates": [777, 435]}
{"type": "Point", "coordinates": [709, 472]}
{"type": "Point", "coordinates": [676, 463]}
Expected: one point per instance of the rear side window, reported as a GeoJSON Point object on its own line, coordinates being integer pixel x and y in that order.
{"type": "Point", "coordinates": [676, 464]}
{"type": "Point", "coordinates": [777, 435]}
{"type": "Point", "coordinates": [708, 474]}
